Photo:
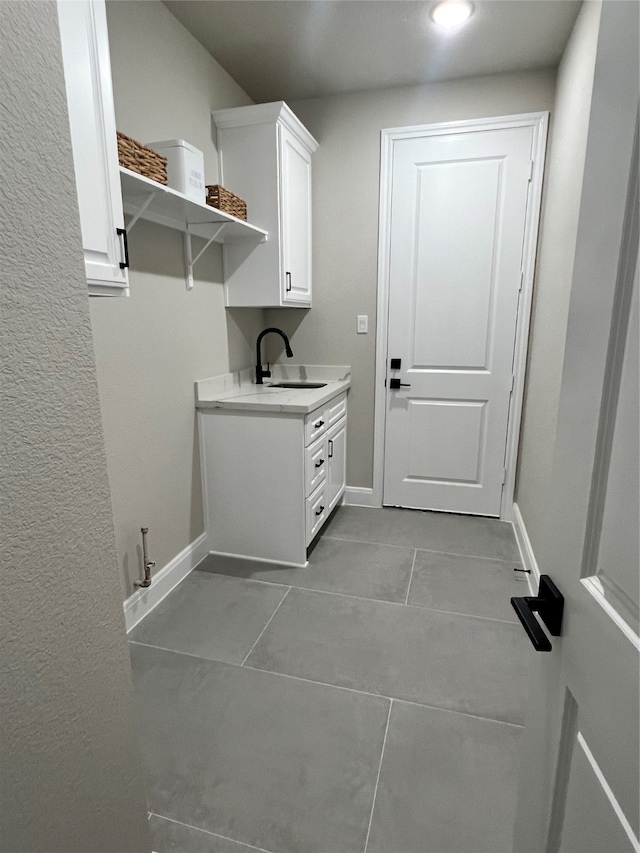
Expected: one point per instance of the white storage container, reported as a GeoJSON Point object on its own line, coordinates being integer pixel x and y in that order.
{"type": "Point", "coordinates": [185, 167]}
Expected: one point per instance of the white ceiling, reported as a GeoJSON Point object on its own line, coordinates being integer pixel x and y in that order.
{"type": "Point", "coordinates": [290, 49]}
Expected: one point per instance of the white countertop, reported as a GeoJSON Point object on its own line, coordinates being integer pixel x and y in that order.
{"type": "Point", "coordinates": [240, 391]}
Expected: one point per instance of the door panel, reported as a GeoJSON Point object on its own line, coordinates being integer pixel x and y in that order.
{"type": "Point", "coordinates": [444, 437]}
{"type": "Point", "coordinates": [296, 219]}
{"type": "Point", "coordinates": [458, 216]}
{"type": "Point", "coordinates": [579, 786]}
{"type": "Point", "coordinates": [592, 817]}
{"type": "Point", "coordinates": [454, 280]}
{"type": "Point", "coordinates": [87, 66]}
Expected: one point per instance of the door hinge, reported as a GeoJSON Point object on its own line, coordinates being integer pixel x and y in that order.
{"type": "Point", "coordinates": [521, 281]}
{"type": "Point", "coordinates": [504, 476]}
{"type": "Point", "coordinates": [530, 170]}
{"type": "Point", "coordinates": [513, 382]}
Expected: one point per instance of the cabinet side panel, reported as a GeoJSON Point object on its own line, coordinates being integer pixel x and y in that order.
{"type": "Point", "coordinates": [254, 475]}
{"type": "Point", "coordinates": [248, 168]}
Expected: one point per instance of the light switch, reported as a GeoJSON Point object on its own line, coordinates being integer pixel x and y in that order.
{"type": "Point", "coordinates": [363, 324]}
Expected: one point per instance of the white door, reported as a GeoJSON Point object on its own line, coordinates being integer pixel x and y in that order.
{"type": "Point", "coordinates": [579, 789]}
{"type": "Point", "coordinates": [296, 218]}
{"type": "Point", "coordinates": [458, 217]}
{"type": "Point", "coordinates": [87, 71]}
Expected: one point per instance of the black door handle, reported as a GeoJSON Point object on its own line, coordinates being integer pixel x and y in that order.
{"type": "Point", "coordinates": [395, 384]}
{"type": "Point", "coordinates": [549, 603]}
{"type": "Point", "coordinates": [288, 277]}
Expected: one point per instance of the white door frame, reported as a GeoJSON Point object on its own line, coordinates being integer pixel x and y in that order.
{"type": "Point", "coordinates": [539, 122]}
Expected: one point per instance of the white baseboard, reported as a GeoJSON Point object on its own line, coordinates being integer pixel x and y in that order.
{"type": "Point", "coordinates": [142, 602]}
{"type": "Point", "coordinates": [526, 550]}
{"type": "Point", "coordinates": [359, 496]}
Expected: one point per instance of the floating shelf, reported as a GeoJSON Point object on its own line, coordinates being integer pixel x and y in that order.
{"type": "Point", "coordinates": [146, 199]}
{"type": "Point", "coordinates": [143, 198]}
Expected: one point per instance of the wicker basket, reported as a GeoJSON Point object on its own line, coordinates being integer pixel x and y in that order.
{"type": "Point", "coordinates": [132, 155]}
{"type": "Point", "coordinates": [226, 201]}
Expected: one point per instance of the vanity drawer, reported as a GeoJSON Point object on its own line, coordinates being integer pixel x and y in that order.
{"type": "Point", "coordinates": [315, 464]}
{"type": "Point", "coordinates": [318, 422]}
{"type": "Point", "coordinates": [315, 424]}
{"type": "Point", "coordinates": [317, 511]}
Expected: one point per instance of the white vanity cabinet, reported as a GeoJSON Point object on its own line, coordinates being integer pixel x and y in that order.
{"type": "Point", "coordinates": [265, 158]}
{"type": "Point", "coordinates": [271, 479]}
{"type": "Point", "coordinates": [87, 71]}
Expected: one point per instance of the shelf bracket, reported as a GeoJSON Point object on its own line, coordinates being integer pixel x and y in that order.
{"type": "Point", "coordinates": [190, 261]}
{"type": "Point", "coordinates": [141, 210]}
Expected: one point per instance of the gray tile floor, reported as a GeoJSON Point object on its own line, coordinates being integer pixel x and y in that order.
{"type": "Point", "coordinates": [370, 702]}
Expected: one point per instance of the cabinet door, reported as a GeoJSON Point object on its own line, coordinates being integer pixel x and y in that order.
{"type": "Point", "coordinates": [87, 71]}
{"type": "Point", "coordinates": [296, 218]}
{"type": "Point", "coordinates": [337, 462]}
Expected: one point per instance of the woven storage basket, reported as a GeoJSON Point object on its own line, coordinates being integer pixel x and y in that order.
{"type": "Point", "coordinates": [137, 157]}
{"type": "Point", "coordinates": [226, 201]}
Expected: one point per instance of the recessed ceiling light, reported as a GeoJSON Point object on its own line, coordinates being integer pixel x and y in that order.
{"type": "Point", "coordinates": [451, 13]}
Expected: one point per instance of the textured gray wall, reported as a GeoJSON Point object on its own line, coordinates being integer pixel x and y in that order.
{"type": "Point", "coordinates": [346, 171]}
{"type": "Point", "coordinates": [71, 771]}
{"type": "Point", "coordinates": [554, 271]}
{"type": "Point", "coordinates": [151, 347]}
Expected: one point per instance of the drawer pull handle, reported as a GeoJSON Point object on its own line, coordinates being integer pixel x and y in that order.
{"type": "Point", "coordinates": [320, 510]}
{"type": "Point", "coordinates": [319, 463]}
{"type": "Point", "coordinates": [318, 425]}
{"type": "Point", "coordinates": [330, 448]}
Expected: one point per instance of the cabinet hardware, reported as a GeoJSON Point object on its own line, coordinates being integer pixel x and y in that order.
{"type": "Point", "coordinates": [122, 232]}
{"type": "Point", "coordinates": [320, 510]}
{"type": "Point", "coordinates": [330, 448]}
{"type": "Point", "coordinates": [319, 424]}
{"type": "Point", "coordinates": [288, 275]}
{"type": "Point", "coordinates": [395, 384]}
{"type": "Point", "coordinates": [319, 463]}
{"type": "Point", "coordinates": [549, 603]}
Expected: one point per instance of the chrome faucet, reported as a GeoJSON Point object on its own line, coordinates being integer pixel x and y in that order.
{"type": "Point", "coordinates": [260, 373]}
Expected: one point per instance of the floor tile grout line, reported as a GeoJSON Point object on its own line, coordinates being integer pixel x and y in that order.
{"type": "Point", "coordinates": [176, 652]}
{"type": "Point", "coordinates": [459, 713]}
{"type": "Point", "coordinates": [366, 598]}
{"type": "Point", "coordinates": [266, 626]}
{"type": "Point", "coordinates": [379, 695]}
{"type": "Point", "coordinates": [334, 686]}
{"type": "Point", "coordinates": [375, 790]}
{"type": "Point", "coordinates": [471, 556]}
{"type": "Point", "coordinates": [208, 832]}
{"type": "Point", "coordinates": [330, 685]}
{"type": "Point", "coordinates": [365, 542]}
{"type": "Point", "coordinates": [458, 613]}
{"type": "Point", "coordinates": [429, 550]}
{"type": "Point", "coordinates": [413, 565]}
{"type": "Point", "coordinates": [403, 604]}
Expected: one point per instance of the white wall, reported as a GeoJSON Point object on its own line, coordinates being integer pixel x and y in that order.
{"type": "Point", "coordinates": [151, 347]}
{"type": "Point", "coordinates": [72, 774]}
{"type": "Point", "coordinates": [345, 209]}
{"type": "Point", "coordinates": [554, 270]}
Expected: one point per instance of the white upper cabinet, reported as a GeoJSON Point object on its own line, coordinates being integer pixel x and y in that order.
{"type": "Point", "coordinates": [265, 158]}
{"type": "Point", "coordinates": [87, 70]}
